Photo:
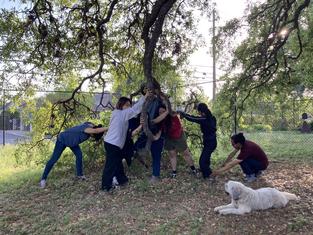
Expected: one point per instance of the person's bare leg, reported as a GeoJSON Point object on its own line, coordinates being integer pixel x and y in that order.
{"type": "Point", "coordinates": [173, 159]}
{"type": "Point", "coordinates": [188, 157]}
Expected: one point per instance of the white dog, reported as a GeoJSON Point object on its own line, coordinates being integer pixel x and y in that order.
{"type": "Point", "coordinates": [245, 199]}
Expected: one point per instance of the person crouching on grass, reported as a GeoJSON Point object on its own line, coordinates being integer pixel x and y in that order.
{"type": "Point", "coordinates": [115, 138]}
{"type": "Point", "coordinates": [71, 138]}
{"type": "Point", "coordinates": [252, 159]}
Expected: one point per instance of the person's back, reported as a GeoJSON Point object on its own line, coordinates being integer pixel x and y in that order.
{"type": "Point", "coordinates": [208, 128]}
{"type": "Point", "coordinates": [251, 150]}
{"type": "Point", "coordinates": [153, 112]}
{"type": "Point", "coordinates": [75, 135]}
{"type": "Point", "coordinates": [176, 129]}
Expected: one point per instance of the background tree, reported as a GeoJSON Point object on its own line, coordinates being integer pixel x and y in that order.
{"type": "Point", "coordinates": [270, 58]}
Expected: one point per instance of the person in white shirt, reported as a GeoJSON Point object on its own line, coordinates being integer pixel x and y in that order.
{"type": "Point", "coordinates": [114, 140]}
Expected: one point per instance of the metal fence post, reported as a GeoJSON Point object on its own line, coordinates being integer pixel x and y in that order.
{"type": "Point", "coordinates": [3, 122]}
{"type": "Point", "coordinates": [234, 103]}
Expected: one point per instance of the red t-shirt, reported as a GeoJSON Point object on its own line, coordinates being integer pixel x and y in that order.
{"type": "Point", "coordinates": [176, 129]}
{"type": "Point", "coordinates": [253, 151]}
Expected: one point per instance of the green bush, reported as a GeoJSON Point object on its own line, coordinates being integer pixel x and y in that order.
{"type": "Point", "coordinates": [256, 127]}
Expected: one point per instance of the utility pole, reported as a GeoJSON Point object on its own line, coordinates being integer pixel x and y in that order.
{"type": "Point", "coordinates": [3, 122]}
{"type": "Point", "coordinates": [214, 56]}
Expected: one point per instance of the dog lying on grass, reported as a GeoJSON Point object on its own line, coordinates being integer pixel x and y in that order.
{"type": "Point", "coordinates": [245, 199]}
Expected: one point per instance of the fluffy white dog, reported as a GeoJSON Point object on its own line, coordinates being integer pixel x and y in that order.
{"type": "Point", "coordinates": [245, 199]}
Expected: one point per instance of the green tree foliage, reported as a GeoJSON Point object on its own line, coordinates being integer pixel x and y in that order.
{"type": "Point", "coordinates": [277, 38]}
{"type": "Point", "coordinates": [272, 63]}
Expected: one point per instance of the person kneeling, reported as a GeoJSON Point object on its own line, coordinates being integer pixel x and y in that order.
{"type": "Point", "coordinates": [252, 159]}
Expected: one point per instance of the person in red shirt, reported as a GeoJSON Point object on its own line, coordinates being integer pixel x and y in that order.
{"type": "Point", "coordinates": [252, 159]}
{"type": "Point", "coordinates": [175, 141]}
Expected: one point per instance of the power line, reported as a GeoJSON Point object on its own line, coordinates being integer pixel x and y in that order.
{"type": "Point", "coordinates": [207, 66]}
{"type": "Point", "coordinates": [56, 91]}
{"type": "Point", "coordinates": [200, 83]}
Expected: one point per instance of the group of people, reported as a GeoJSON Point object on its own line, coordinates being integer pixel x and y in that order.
{"type": "Point", "coordinates": [167, 132]}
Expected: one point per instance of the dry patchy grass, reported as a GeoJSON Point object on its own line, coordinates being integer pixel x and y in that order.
{"type": "Point", "coordinates": [173, 206]}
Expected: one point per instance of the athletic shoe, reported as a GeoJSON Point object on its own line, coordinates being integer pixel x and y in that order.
{"type": "Point", "coordinates": [196, 173]}
{"type": "Point", "coordinates": [114, 181]}
{"type": "Point", "coordinates": [154, 179]}
{"type": "Point", "coordinates": [81, 177]}
{"type": "Point", "coordinates": [173, 175]}
{"type": "Point", "coordinates": [250, 178]}
{"type": "Point", "coordinates": [42, 184]}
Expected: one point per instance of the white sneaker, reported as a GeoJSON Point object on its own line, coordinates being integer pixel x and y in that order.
{"type": "Point", "coordinates": [250, 178]}
{"type": "Point", "coordinates": [81, 177]}
{"type": "Point", "coordinates": [154, 179]}
{"type": "Point", "coordinates": [114, 181]}
{"type": "Point", "coordinates": [42, 183]}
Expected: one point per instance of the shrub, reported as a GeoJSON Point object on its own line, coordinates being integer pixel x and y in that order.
{"type": "Point", "coordinates": [256, 127]}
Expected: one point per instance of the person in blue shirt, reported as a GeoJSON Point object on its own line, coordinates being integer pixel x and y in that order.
{"type": "Point", "coordinates": [71, 138]}
{"type": "Point", "coordinates": [207, 124]}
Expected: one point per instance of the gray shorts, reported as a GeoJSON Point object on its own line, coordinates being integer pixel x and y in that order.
{"type": "Point", "coordinates": [179, 144]}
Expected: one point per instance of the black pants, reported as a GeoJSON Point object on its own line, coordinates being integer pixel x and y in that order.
{"type": "Point", "coordinates": [251, 166]}
{"type": "Point", "coordinates": [128, 151]}
{"type": "Point", "coordinates": [113, 167]}
{"type": "Point", "coordinates": [205, 158]}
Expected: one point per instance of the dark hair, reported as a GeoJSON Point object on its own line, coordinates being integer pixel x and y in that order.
{"type": "Point", "coordinates": [238, 138]}
{"type": "Point", "coordinates": [98, 136]}
{"type": "Point", "coordinates": [203, 108]}
{"type": "Point", "coordinates": [143, 88]}
{"type": "Point", "coordinates": [304, 116]}
{"type": "Point", "coordinates": [168, 119]}
{"type": "Point", "coordinates": [122, 101]}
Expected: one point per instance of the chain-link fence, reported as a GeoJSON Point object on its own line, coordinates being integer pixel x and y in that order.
{"type": "Point", "coordinates": [17, 113]}
{"type": "Point", "coordinates": [283, 128]}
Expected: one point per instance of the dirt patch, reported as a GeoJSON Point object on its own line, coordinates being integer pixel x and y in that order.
{"type": "Point", "coordinates": [174, 206]}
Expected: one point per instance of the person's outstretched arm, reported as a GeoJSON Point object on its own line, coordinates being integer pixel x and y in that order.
{"type": "Point", "coordinates": [192, 118]}
{"type": "Point", "coordinates": [230, 156]}
{"type": "Point", "coordinates": [136, 109]}
{"type": "Point", "coordinates": [160, 118]}
{"type": "Point", "coordinates": [137, 130]}
{"type": "Point", "coordinates": [98, 130]}
{"type": "Point", "coordinates": [227, 167]}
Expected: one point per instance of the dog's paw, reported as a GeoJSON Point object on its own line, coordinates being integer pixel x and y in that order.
{"type": "Point", "coordinates": [216, 209]}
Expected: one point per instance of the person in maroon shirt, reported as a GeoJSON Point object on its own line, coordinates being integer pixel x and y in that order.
{"type": "Point", "coordinates": [251, 158]}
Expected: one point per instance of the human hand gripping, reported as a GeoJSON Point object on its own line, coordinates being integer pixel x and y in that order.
{"type": "Point", "coordinates": [149, 93]}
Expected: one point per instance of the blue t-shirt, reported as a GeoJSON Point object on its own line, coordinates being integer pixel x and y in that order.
{"type": "Point", "coordinates": [153, 112]}
{"type": "Point", "coordinates": [75, 135]}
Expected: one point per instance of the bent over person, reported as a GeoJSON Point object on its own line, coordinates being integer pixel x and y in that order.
{"type": "Point", "coordinates": [71, 138]}
{"type": "Point", "coordinates": [252, 159]}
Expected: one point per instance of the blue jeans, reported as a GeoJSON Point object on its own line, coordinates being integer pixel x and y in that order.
{"type": "Point", "coordinates": [156, 152]}
{"type": "Point", "coordinates": [251, 166]}
{"type": "Point", "coordinates": [58, 150]}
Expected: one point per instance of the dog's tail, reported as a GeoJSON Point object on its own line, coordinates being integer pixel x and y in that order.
{"type": "Point", "coordinates": [291, 196]}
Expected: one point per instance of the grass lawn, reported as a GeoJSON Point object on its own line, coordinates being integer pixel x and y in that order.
{"type": "Point", "coordinates": [174, 206]}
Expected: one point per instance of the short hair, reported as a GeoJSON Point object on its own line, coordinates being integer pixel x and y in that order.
{"type": "Point", "coordinates": [122, 101]}
{"type": "Point", "coordinates": [238, 138]}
